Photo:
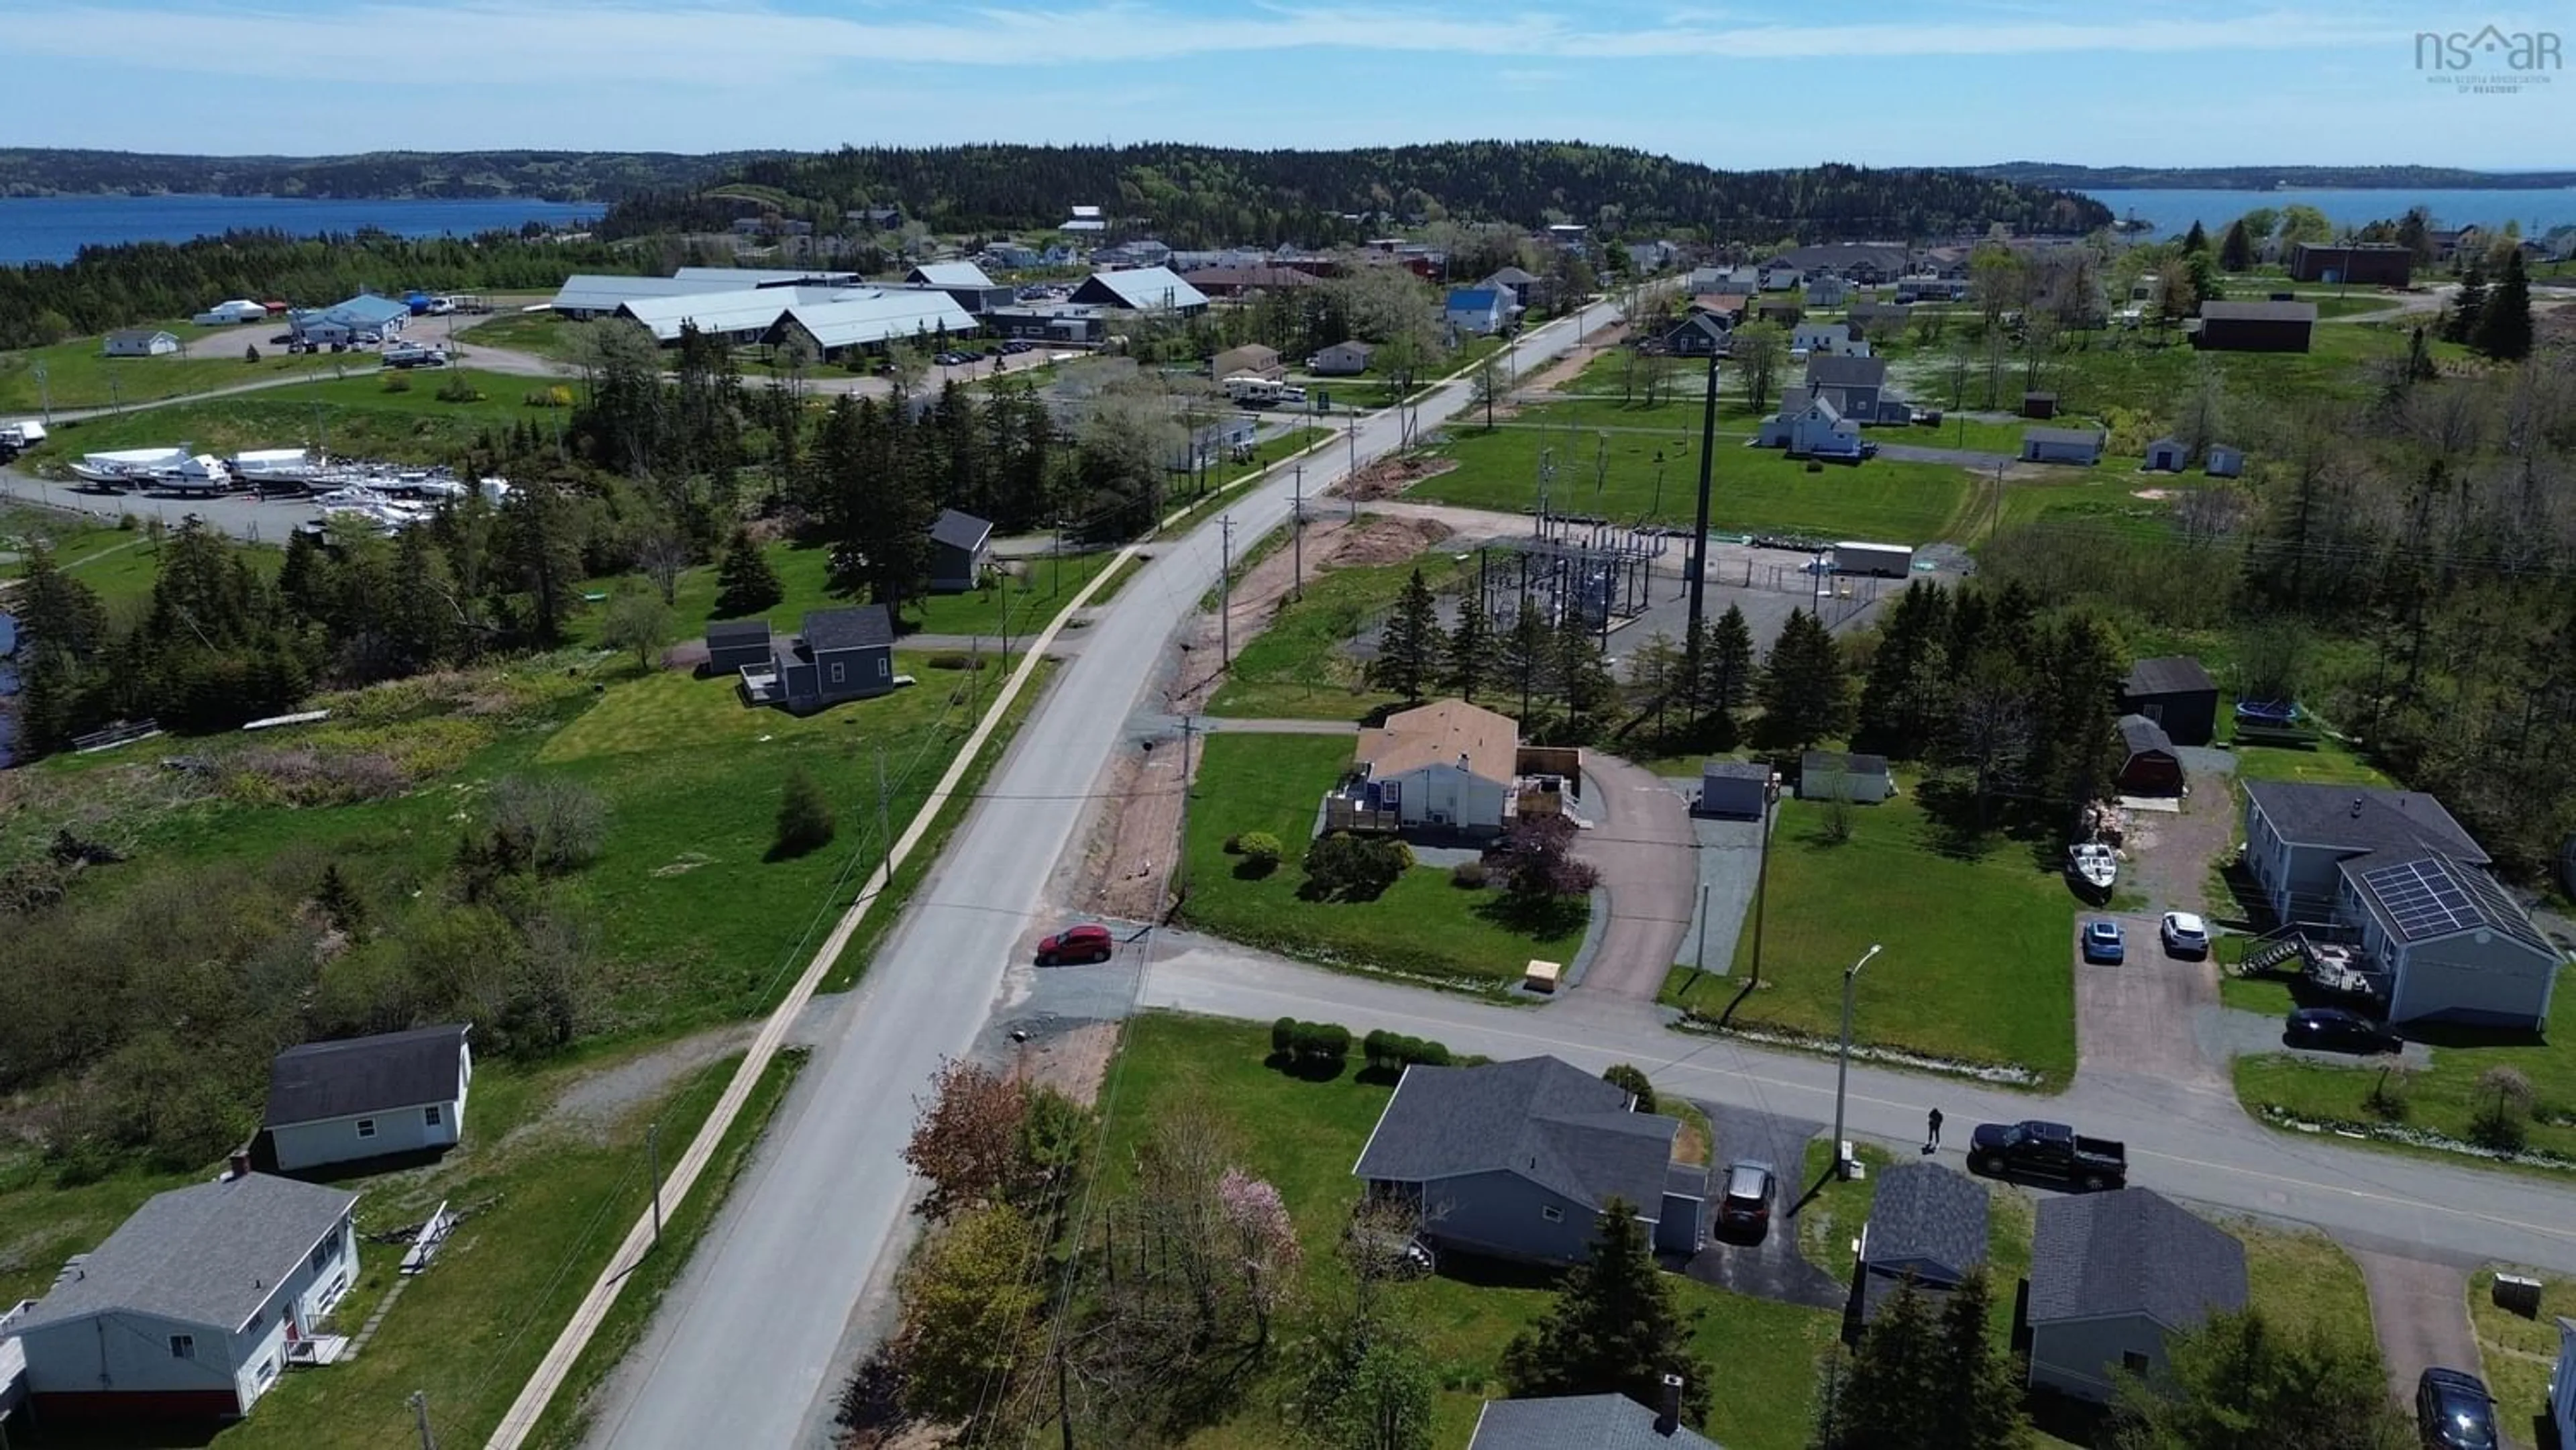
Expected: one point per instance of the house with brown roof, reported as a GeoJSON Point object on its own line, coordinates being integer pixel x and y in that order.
{"type": "Point", "coordinates": [1242, 281]}
{"type": "Point", "coordinates": [1252, 360]}
{"type": "Point", "coordinates": [1445, 766]}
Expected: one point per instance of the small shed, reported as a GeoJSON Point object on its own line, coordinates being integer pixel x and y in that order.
{"type": "Point", "coordinates": [2062, 445]}
{"type": "Point", "coordinates": [1828, 774]}
{"type": "Point", "coordinates": [2167, 455]}
{"type": "Point", "coordinates": [960, 546]}
{"type": "Point", "coordinates": [1927, 1225]}
{"type": "Point", "coordinates": [2176, 693]}
{"type": "Point", "coordinates": [1739, 788]}
{"type": "Point", "coordinates": [2224, 462]}
{"type": "Point", "coordinates": [141, 342]}
{"type": "Point", "coordinates": [733, 643]}
{"type": "Point", "coordinates": [2148, 764]}
{"type": "Point", "coordinates": [2039, 405]}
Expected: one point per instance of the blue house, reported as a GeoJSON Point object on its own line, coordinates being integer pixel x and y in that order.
{"type": "Point", "coordinates": [345, 322]}
{"type": "Point", "coordinates": [1478, 311]}
{"type": "Point", "coordinates": [843, 654]}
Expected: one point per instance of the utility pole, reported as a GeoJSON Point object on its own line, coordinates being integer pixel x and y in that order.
{"type": "Point", "coordinates": [885, 831]}
{"type": "Point", "coordinates": [1842, 1063]}
{"type": "Point", "coordinates": [420, 1419]}
{"type": "Point", "coordinates": [1297, 534]}
{"type": "Point", "coordinates": [1225, 591]}
{"type": "Point", "coordinates": [653, 1173]}
{"type": "Point", "coordinates": [1698, 562]}
{"type": "Point", "coordinates": [1699, 957]}
{"type": "Point", "coordinates": [1179, 890]}
{"type": "Point", "coordinates": [1762, 869]}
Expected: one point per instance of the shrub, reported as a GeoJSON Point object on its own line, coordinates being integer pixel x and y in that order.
{"type": "Point", "coordinates": [250, 354]}
{"type": "Point", "coordinates": [397, 382]}
{"type": "Point", "coordinates": [1283, 1036]}
{"type": "Point", "coordinates": [1310, 1041]}
{"type": "Point", "coordinates": [1470, 875]}
{"type": "Point", "coordinates": [1631, 1079]}
{"type": "Point", "coordinates": [457, 390]}
{"type": "Point", "coordinates": [804, 818]}
{"type": "Point", "coordinates": [1260, 849]}
{"type": "Point", "coordinates": [1234, 844]}
{"type": "Point", "coordinates": [2387, 1097]}
{"type": "Point", "coordinates": [954, 661]}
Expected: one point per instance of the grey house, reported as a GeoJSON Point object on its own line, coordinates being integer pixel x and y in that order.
{"type": "Point", "coordinates": [1592, 1422]}
{"type": "Point", "coordinates": [2176, 693]}
{"type": "Point", "coordinates": [2111, 1275]}
{"type": "Point", "coordinates": [960, 547]}
{"type": "Point", "coordinates": [1701, 334]}
{"type": "Point", "coordinates": [1341, 360]}
{"type": "Point", "coordinates": [1734, 788]}
{"type": "Point", "coordinates": [2393, 874]}
{"type": "Point", "coordinates": [357, 1098]}
{"type": "Point", "coordinates": [735, 643]}
{"type": "Point", "coordinates": [1518, 1160]}
{"type": "Point", "coordinates": [1857, 387]}
{"type": "Point", "coordinates": [2061, 445]}
{"type": "Point", "coordinates": [843, 654]}
{"type": "Point", "coordinates": [1927, 1223]}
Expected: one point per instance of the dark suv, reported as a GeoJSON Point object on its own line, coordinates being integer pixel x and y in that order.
{"type": "Point", "coordinates": [2453, 1411]}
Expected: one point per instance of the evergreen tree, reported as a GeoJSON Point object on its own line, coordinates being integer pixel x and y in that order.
{"type": "Point", "coordinates": [1408, 651]}
{"type": "Point", "coordinates": [1583, 681]}
{"type": "Point", "coordinates": [2460, 324]}
{"type": "Point", "coordinates": [2195, 240]}
{"type": "Point", "coordinates": [423, 616]}
{"type": "Point", "coordinates": [1905, 698]}
{"type": "Point", "coordinates": [2503, 329]}
{"type": "Point", "coordinates": [62, 634]}
{"type": "Point", "coordinates": [1978, 1386]}
{"type": "Point", "coordinates": [2236, 1381]}
{"type": "Point", "coordinates": [340, 903]}
{"type": "Point", "coordinates": [1613, 1328]}
{"type": "Point", "coordinates": [2235, 249]}
{"type": "Point", "coordinates": [1726, 663]}
{"type": "Point", "coordinates": [1890, 1393]}
{"type": "Point", "coordinates": [1802, 691]}
{"type": "Point", "coordinates": [541, 557]}
{"type": "Point", "coordinates": [1523, 657]}
{"type": "Point", "coordinates": [745, 584]}
{"type": "Point", "coordinates": [304, 578]}
{"type": "Point", "coordinates": [1467, 662]}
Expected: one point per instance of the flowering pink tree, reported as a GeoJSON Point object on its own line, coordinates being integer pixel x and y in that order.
{"type": "Point", "coordinates": [1267, 1240]}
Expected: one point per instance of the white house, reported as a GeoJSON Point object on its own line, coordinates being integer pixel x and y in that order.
{"type": "Point", "coordinates": [1827, 291]}
{"type": "Point", "coordinates": [368, 1097]}
{"type": "Point", "coordinates": [1826, 339]}
{"type": "Point", "coordinates": [1478, 311]}
{"type": "Point", "coordinates": [226, 314]}
{"type": "Point", "coordinates": [1447, 765]}
{"type": "Point", "coordinates": [191, 1308]}
{"type": "Point", "coordinates": [1809, 427]}
{"type": "Point", "coordinates": [1341, 360]}
{"type": "Point", "coordinates": [141, 342]}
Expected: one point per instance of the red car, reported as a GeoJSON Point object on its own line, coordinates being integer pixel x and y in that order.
{"type": "Point", "coordinates": [1089, 942]}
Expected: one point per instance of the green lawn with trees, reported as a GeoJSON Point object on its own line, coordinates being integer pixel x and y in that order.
{"type": "Point", "coordinates": [80, 374]}
{"type": "Point", "coordinates": [1302, 666]}
{"type": "Point", "coordinates": [427, 415]}
{"type": "Point", "coordinates": [1422, 923]}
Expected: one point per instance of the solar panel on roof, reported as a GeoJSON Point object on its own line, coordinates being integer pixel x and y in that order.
{"type": "Point", "coordinates": [2424, 899]}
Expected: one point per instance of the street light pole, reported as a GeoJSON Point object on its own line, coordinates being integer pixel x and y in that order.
{"type": "Point", "coordinates": [1842, 1061]}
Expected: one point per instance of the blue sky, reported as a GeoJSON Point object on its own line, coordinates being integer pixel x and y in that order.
{"type": "Point", "coordinates": [1732, 84]}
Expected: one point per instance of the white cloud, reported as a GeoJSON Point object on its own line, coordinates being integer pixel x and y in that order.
{"type": "Point", "coordinates": [559, 41]}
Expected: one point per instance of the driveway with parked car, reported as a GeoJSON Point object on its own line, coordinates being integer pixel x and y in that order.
{"type": "Point", "coordinates": [1761, 1260]}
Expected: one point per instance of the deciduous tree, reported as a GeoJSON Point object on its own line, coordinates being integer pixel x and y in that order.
{"type": "Point", "coordinates": [970, 1317]}
{"type": "Point", "coordinates": [638, 620]}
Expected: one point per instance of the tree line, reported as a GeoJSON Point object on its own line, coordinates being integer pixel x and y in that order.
{"type": "Point", "coordinates": [554, 175]}
{"type": "Point", "coordinates": [1217, 196]}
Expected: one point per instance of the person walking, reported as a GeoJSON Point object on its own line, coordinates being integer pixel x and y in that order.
{"type": "Point", "coordinates": [1932, 1132]}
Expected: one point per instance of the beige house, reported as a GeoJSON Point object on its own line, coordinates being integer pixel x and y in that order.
{"type": "Point", "coordinates": [1252, 360]}
{"type": "Point", "coordinates": [1445, 766]}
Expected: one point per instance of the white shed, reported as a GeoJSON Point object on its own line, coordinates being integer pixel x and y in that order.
{"type": "Point", "coordinates": [141, 342]}
{"type": "Point", "coordinates": [368, 1097]}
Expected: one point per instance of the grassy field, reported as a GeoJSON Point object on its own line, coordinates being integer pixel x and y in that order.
{"type": "Point", "coordinates": [2329, 762]}
{"type": "Point", "coordinates": [2443, 1097]}
{"type": "Point", "coordinates": [1613, 475]}
{"type": "Point", "coordinates": [120, 564]}
{"type": "Point", "coordinates": [542, 334]}
{"type": "Point", "coordinates": [2519, 1352]}
{"type": "Point", "coordinates": [1422, 925]}
{"type": "Point", "coordinates": [802, 578]}
{"type": "Point", "coordinates": [79, 375]}
{"type": "Point", "coordinates": [1037, 589]}
{"type": "Point", "coordinates": [1296, 668]}
{"type": "Point", "coordinates": [1303, 1135]}
{"type": "Point", "coordinates": [351, 416]}
{"type": "Point", "coordinates": [1978, 945]}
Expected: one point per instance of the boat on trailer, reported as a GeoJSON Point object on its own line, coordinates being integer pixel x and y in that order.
{"type": "Point", "coordinates": [2094, 864]}
{"type": "Point", "coordinates": [126, 467]}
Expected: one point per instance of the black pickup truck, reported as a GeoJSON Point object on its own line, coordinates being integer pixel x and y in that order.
{"type": "Point", "coordinates": [2054, 1151]}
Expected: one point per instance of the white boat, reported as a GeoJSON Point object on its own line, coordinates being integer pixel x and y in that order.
{"type": "Point", "coordinates": [201, 473]}
{"type": "Point", "coordinates": [273, 466]}
{"type": "Point", "coordinates": [2094, 864]}
{"type": "Point", "coordinates": [126, 467]}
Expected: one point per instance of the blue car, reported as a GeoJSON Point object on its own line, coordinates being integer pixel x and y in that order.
{"type": "Point", "coordinates": [2103, 943]}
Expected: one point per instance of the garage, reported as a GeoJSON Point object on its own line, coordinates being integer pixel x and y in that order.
{"type": "Point", "coordinates": [2148, 763]}
{"type": "Point", "coordinates": [1737, 788]}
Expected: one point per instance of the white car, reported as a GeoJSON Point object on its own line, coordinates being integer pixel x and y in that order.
{"type": "Point", "coordinates": [2185, 934]}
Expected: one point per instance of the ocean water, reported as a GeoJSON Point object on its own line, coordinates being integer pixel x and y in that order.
{"type": "Point", "coordinates": [54, 228]}
{"type": "Point", "coordinates": [2173, 212]}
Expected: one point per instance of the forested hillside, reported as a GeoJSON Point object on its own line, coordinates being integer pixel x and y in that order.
{"type": "Point", "coordinates": [1202, 195]}
{"type": "Point", "coordinates": [555, 175]}
{"type": "Point", "coordinates": [2264, 178]}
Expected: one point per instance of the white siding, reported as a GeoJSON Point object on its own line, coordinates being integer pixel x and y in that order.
{"type": "Point", "coordinates": [1447, 795]}
{"type": "Point", "coordinates": [394, 1130]}
{"type": "Point", "coordinates": [2494, 979]}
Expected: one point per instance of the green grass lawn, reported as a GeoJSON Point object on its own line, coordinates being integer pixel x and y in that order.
{"type": "Point", "coordinates": [1977, 966]}
{"type": "Point", "coordinates": [1613, 475]}
{"type": "Point", "coordinates": [545, 334]}
{"type": "Point", "coordinates": [1297, 668]}
{"type": "Point", "coordinates": [1037, 589]}
{"type": "Point", "coordinates": [2329, 762]}
{"type": "Point", "coordinates": [1422, 926]}
{"type": "Point", "coordinates": [2519, 1353]}
{"type": "Point", "coordinates": [2301, 1281]}
{"type": "Point", "coordinates": [349, 416]}
{"type": "Point", "coordinates": [2443, 1097]}
{"type": "Point", "coordinates": [79, 375]}
{"type": "Point", "coordinates": [802, 579]}
{"type": "Point", "coordinates": [120, 564]}
{"type": "Point", "coordinates": [1303, 1136]}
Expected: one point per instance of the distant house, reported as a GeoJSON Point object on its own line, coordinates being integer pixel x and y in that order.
{"type": "Point", "coordinates": [2112, 1276]}
{"type": "Point", "coordinates": [2224, 462]}
{"type": "Point", "coordinates": [2176, 693]}
{"type": "Point", "coordinates": [965, 284]}
{"type": "Point", "coordinates": [2166, 455]}
{"type": "Point", "coordinates": [1341, 360]}
{"type": "Point", "coordinates": [1827, 339]}
{"type": "Point", "coordinates": [873, 218]}
{"type": "Point", "coordinates": [1244, 281]}
{"type": "Point", "coordinates": [2148, 765]}
{"type": "Point", "coordinates": [357, 1098]}
{"type": "Point", "coordinates": [1784, 314]}
{"type": "Point", "coordinates": [1726, 307]}
{"type": "Point", "coordinates": [2368, 264]}
{"type": "Point", "coordinates": [1876, 317]}
{"type": "Point", "coordinates": [843, 654]}
{"type": "Point", "coordinates": [1527, 288]}
{"type": "Point", "coordinates": [1826, 774]}
{"type": "Point", "coordinates": [1445, 766]}
{"type": "Point", "coordinates": [1252, 360]}
{"type": "Point", "coordinates": [353, 320]}
{"type": "Point", "coordinates": [191, 1308]}
{"type": "Point", "coordinates": [1856, 386]}
{"type": "Point", "coordinates": [1726, 279]}
{"type": "Point", "coordinates": [1809, 427]}
{"type": "Point", "coordinates": [733, 644]}
{"type": "Point", "coordinates": [1827, 291]}
{"type": "Point", "coordinates": [1702, 334]}
{"type": "Point", "coordinates": [1141, 289]}
{"type": "Point", "coordinates": [1780, 279]}
{"type": "Point", "coordinates": [1084, 219]}
{"type": "Point", "coordinates": [1013, 257]}
{"type": "Point", "coordinates": [2061, 445]}
{"type": "Point", "coordinates": [1226, 436]}
{"type": "Point", "coordinates": [140, 342]}
{"type": "Point", "coordinates": [2255, 326]}
{"type": "Point", "coordinates": [1926, 1223]}
{"type": "Point", "coordinates": [2396, 875]}
{"type": "Point", "coordinates": [960, 547]}
{"type": "Point", "coordinates": [1518, 1160]}
{"type": "Point", "coordinates": [1592, 1422]}
{"type": "Point", "coordinates": [1477, 311]}
{"type": "Point", "coordinates": [1740, 788]}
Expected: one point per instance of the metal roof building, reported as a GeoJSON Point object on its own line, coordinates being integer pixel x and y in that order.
{"type": "Point", "coordinates": [742, 315]}
{"type": "Point", "coordinates": [864, 319]}
{"type": "Point", "coordinates": [595, 295]}
{"type": "Point", "coordinates": [727, 277]}
{"type": "Point", "coordinates": [1141, 289]}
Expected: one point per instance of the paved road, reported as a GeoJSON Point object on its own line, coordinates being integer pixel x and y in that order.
{"type": "Point", "coordinates": [2368, 1199]}
{"type": "Point", "coordinates": [1642, 844]}
{"type": "Point", "coordinates": [749, 1346]}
